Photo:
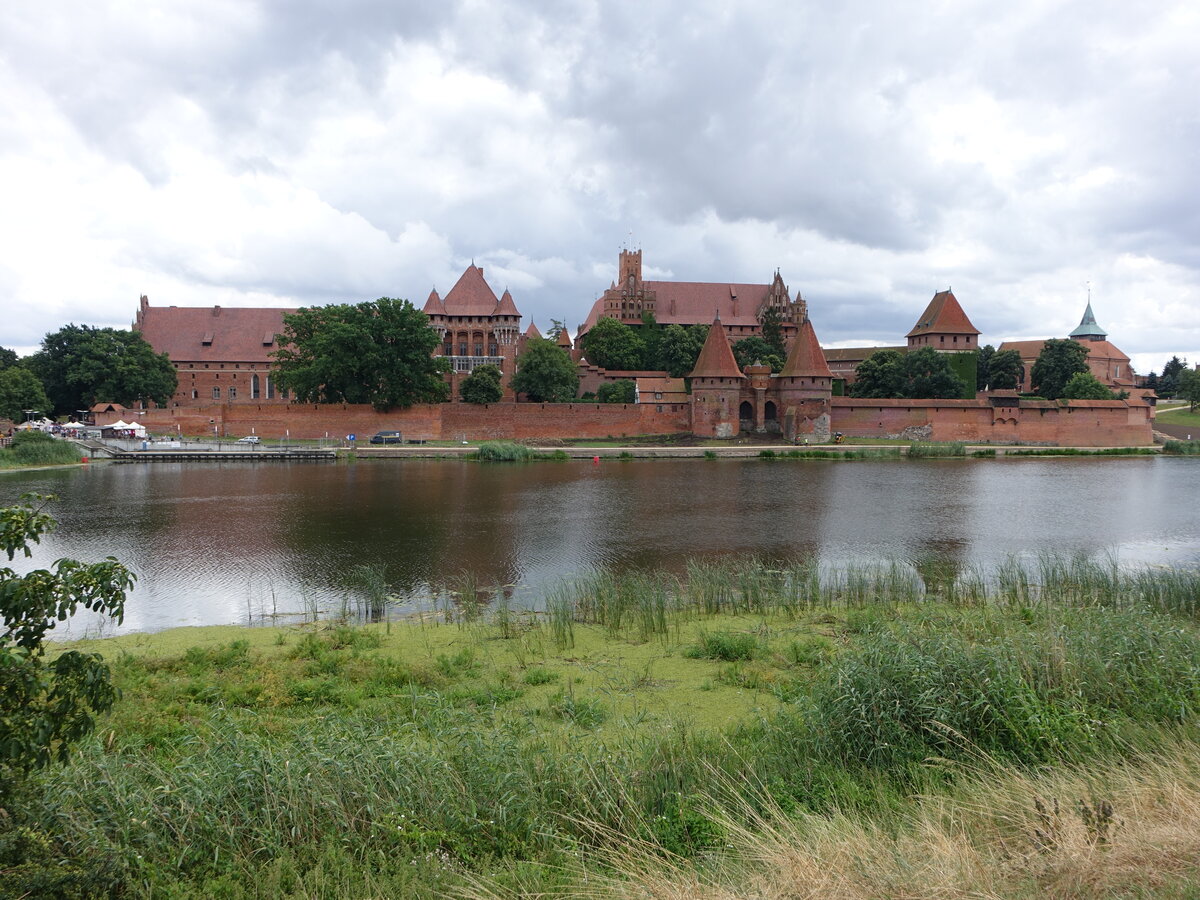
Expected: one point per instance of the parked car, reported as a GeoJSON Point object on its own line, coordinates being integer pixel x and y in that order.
{"type": "Point", "coordinates": [386, 437]}
{"type": "Point", "coordinates": [248, 439]}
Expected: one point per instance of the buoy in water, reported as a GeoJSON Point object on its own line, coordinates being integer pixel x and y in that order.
{"type": "Point", "coordinates": [596, 460]}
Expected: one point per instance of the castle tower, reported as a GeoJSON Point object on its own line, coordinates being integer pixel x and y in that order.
{"type": "Point", "coordinates": [716, 387]}
{"type": "Point", "coordinates": [804, 387]}
{"type": "Point", "coordinates": [944, 326]}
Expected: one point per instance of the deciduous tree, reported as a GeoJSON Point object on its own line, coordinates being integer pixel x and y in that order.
{"type": "Point", "coordinates": [927, 376]}
{"type": "Point", "coordinates": [1189, 388]}
{"type": "Point", "coordinates": [751, 350]}
{"type": "Point", "coordinates": [80, 365]}
{"type": "Point", "coordinates": [1058, 362]}
{"type": "Point", "coordinates": [921, 375]}
{"type": "Point", "coordinates": [482, 385]}
{"type": "Point", "coordinates": [621, 391]}
{"type": "Point", "coordinates": [879, 376]}
{"type": "Point", "coordinates": [545, 373]}
{"type": "Point", "coordinates": [47, 706]}
{"type": "Point", "coordinates": [680, 348]}
{"type": "Point", "coordinates": [378, 352]}
{"type": "Point", "coordinates": [1086, 386]}
{"type": "Point", "coordinates": [1005, 371]}
{"type": "Point", "coordinates": [20, 390]}
{"type": "Point", "coordinates": [611, 345]}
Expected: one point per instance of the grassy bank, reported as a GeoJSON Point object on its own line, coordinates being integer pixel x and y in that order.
{"type": "Point", "coordinates": [1180, 416]}
{"type": "Point", "coordinates": [712, 735]}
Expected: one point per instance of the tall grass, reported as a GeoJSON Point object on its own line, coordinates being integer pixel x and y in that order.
{"type": "Point", "coordinates": [503, 451]}
{"type": "Point", "coordinates": [35, 448]}
{"type": "Point", "coordinates": [1117, 829]}
{"type": "Point", "coordinates": [1182, 448]}
{"type": "Point", "coordinates": [1083, 451]}
{"type": "Point", "coordinates": [928, 450]}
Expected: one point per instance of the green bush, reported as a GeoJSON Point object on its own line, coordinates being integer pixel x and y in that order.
{"type": "Point", "coordinates": [622, 391]}
{"type": "Point", "coordinates": [1183, 448]}
{"type": "Point", "coordinates": [503, 451]}
{"type": "Point", "coordinates": [724, 645]}
{"type": "Point", "coordinates": [1048, 684]}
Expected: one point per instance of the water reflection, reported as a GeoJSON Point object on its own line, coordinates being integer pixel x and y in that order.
{"type": "Point", "coordinates": [234, 541]}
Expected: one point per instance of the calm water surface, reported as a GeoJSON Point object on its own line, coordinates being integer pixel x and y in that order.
{"type": "Point", "coordinates": [227, 542]}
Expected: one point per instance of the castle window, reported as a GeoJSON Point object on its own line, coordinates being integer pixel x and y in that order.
{"type": "Point", "coordinates": [448, 348]}
{"type": "Point", "coordinates": [195, 394]}
{"type": "Point", "coordinates": [254, 387]}
{"type": "Point", "coordinates": [462, 349]}
{"type": "Point", "coordinates": [233, 393]}
{"type": "Point", "coordinates": [216, 393]}
{"type": "Point", "coordinates": [492, 350]}
{"type": "Point", "coordinates": [270, 389]}
{"type": "Point", "coordinates": [479, 349]}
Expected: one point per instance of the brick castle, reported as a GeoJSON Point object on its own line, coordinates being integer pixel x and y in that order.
{"type": "Point", "coordinates": [225, 384]}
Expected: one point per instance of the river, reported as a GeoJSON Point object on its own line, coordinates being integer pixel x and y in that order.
{"type": "Point", "coordinates": [215, 543]}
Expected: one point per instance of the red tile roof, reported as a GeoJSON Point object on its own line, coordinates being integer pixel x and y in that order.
{"type": "Point", "coordinates": [564, 339]}
{"type": "Point", "coordinates": [856, 354]}
{"type": "Point", "coordinates": [716, 358]}
{"type": "Point", "coordinates": [434, 306]}
{"type": "Point", "coordinates": [470, 295]}
{"type": "Point", "coordinates": [1096, 349]}
{"type": "Point", "coordinates": [696, 302]}
{"type": "Point", "coordinates": [806, 359]}
{"type": "Point", "coordinates": [506, 306]}
{"type": "Point", "coordinates": [532, 331]}
{"type": "Point", "coordinates": [212, 333]}
{"type": "Point", "coordinates": [943, 315]}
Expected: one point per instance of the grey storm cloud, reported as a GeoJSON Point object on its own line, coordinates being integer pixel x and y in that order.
{"type": "Point", "coordinates": [289, 153]}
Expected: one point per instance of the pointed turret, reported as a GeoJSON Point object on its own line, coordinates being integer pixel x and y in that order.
{"type": "Point", "coordinates": [506, 307]}
{"type": "Point", "coordinates": [532, 331]}
{"type": "Point", "coordinates": [806, 359]}
{"type": "Point", "coordinates": [564, 339]}
{"type": "Point", "coordinates": [1089, 329]}
{"type": "Point", "coordinates": [716, 358]}
{"type": "Point", "coordinates": [434, 305]}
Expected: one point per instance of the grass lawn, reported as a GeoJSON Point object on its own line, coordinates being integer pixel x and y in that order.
{"type": "Point", "coordinates": [1180, 416]}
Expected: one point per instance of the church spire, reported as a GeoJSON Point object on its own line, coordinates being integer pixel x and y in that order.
{"type": "Point", "coordinates": [1089, 329]}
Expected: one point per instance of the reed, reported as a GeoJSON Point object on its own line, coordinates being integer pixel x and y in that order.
{"type": "Point", "coordinates": [503, 451]}
{"type": "Point", "coordinates": [930, 450]}
{"type": "Point", "coordinates": [1182, 448]}
{"type": "Point", "coordinates": [35, 448]}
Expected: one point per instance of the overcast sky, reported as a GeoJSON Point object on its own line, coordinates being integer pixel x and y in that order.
{"type": "Point", "coordinates": [291, 153]}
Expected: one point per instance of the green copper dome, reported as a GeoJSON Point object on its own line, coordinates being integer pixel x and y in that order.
{"type": "Point", "coordinates": [1089, 327]}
